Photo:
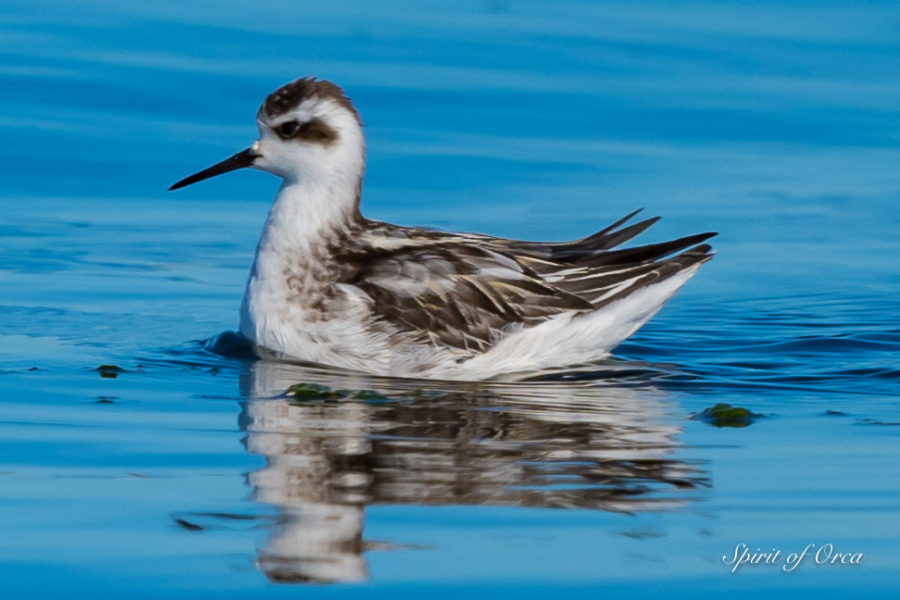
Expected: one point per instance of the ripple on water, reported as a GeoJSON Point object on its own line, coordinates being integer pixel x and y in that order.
{"type": "Point", "coordinates": [192, 469]}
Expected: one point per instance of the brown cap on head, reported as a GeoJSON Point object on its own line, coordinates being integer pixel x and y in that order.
{"type": "Point", "coordinates": [292, 94]}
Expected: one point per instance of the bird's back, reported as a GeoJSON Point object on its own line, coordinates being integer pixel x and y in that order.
{"type": "Point", "coordinates": [490, 305]}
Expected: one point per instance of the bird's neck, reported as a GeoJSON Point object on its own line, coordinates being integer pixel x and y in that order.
{"type": "Point", "coordinates": [306, 215]}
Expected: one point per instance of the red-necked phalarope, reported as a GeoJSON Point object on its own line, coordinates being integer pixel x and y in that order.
{"type": "Point", "coordinates": [332, 287]}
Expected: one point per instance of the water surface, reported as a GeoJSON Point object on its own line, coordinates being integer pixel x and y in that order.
{"type": "Point", "coordinates": [189, 470]}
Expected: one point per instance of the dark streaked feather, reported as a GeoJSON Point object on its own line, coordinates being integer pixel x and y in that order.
{"type": "Point", "coordinates": [463, 290]}
{"type": "Point", "coordinates": [661, 271]}
{"type": "Point", "coordinates": [290, 95]}
{"type": "Point", "coordinates": [459, 295]}
{"type": "Point", "coordinates": [602, 240]}
{"type": "Point", "coordinates": [644, 253]}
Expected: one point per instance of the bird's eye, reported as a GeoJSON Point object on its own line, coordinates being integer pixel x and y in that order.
{"type": "Point", "coordinates": [288, 129]}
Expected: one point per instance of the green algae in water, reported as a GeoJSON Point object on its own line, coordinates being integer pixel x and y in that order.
{"type": "Point", "coordinates": [109, 371]}
{"type": "Point", "coordinates": [367, 396]}
{"type": "Point", "coordinates": [314, 391]}
{"type": "Point", "coordinates": [311, 391]}
{"type": "Point", "coordinates": [726, 415]}
{"type": "Point", "coordinates": [185, 524]}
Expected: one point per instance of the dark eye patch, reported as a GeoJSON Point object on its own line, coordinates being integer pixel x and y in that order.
{"type": "Point", "coordinates": [288, 129]}
{"type": "Point", "coordinates": [314, 130]}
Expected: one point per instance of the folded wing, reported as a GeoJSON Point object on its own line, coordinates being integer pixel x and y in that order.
{"type": "Point", "coordinates": [459, 294]}
{"type": "Point", "coordinates": [465, 291]}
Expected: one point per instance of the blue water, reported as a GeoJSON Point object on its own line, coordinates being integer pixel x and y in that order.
{"type": "Point", "coordinates": [187, 472]}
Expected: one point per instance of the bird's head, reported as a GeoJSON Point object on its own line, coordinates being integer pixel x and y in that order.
{"type": "Point", "coordinates": [308, 131]}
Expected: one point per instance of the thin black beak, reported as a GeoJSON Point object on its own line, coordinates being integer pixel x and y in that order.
{"type": "Point", "coordinates": [242, 159]}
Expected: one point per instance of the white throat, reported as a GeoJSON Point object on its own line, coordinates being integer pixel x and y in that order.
{"type": "Point", "coordinates": [307, 213]}
{"type": "Point", "coordinates": [320, 184]}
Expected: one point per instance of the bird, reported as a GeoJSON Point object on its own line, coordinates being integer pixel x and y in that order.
{"type": "Point", "coordinates": [331, 287]}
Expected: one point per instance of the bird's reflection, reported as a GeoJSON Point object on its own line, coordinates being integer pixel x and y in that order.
{"type": "Point", "coordinates": [551, 444]}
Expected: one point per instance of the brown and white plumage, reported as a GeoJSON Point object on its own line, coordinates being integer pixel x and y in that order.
{"type": "Point", "coordinates": [332, 287]}
{"type": "Point", "coordinates": [464, 291]}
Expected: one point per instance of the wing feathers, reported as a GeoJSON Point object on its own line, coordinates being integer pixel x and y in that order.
{"type": "Point", "coordinates": [465, 290]}
{"type": "Point", "coordinates": [645, 253]}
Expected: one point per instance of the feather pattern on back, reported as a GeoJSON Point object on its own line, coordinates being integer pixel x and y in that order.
{"type": "Point", "coordinates": [467, 291]}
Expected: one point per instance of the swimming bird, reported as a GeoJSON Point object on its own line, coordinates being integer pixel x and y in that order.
{"type": "Point", "coordinates": [330, 286]}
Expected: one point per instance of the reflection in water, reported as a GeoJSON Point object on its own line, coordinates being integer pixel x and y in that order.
{"type": "Point", "coordinates": [553, 444]}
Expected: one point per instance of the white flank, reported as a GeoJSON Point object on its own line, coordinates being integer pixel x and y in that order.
{"type": "Point", "coordinates": [569, 339]}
